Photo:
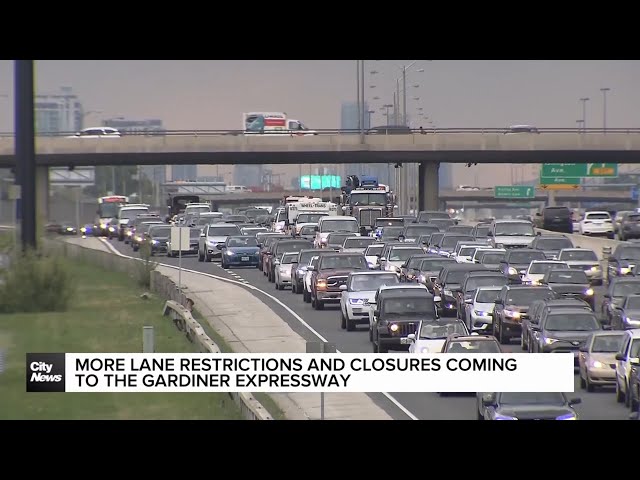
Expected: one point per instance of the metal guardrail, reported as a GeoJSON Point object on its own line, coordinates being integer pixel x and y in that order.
{"type": "Point", "coordinates": [319, 131]}
{"type": "Point", "coordinates": [184, 321]}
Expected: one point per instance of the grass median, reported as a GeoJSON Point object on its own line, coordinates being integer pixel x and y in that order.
{"type": "Point", "coordinates": [106, 315]}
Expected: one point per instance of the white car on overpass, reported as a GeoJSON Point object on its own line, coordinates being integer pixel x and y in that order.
{"type": "Point", "coordinates": [359, 290]}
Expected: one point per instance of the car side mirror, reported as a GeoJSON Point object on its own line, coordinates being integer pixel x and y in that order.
{"type": "Point", "coordinates": [606, 295]}
{"type": "Point", "coordinates": [316, 229]}
{"type": "Point", "coordinates": [499, 302]}
{"type": "Point", "coordinates": [382, 259]}
{"type": "Point", "coordinates": [620, 357]}
{"type": "Point", "coordinates": [538, 214]}
{"type": "Point", "coordinates": [538, 233]}
{"type": "Point", "coordinates": [376, 312]}
{"type": "Point", "coordinates": [469, 301]}
{"type": "Point", "coordinates": [575, 401]}
{"type": "Point", "coordinates": [220, 246]}
{"type": "Point", "coordinates": [490, 234]}
{"type": "Point", "coordinates": [437, 298]}
{"type": "Point", "coordinates": [534, 327]}
{"type": "Point", "coordinates": [412, 337]}
{"type": "Point", "coordinates": [488, 401]}
{"type": "Point", "coordinates": [584, 349]}
{"type": "Point", "coordinates": [311, 268]}
{"type": "Point", "coordinates": [343, 287]}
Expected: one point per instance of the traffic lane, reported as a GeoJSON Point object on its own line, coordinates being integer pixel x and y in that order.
{"type": "Point", "coordinates": [243, 274]}
{"type": "Point", "coordinates": [427, 406]}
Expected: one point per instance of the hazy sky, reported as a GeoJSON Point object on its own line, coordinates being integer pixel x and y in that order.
{"type": "Point", "coordinates": [211, 94]}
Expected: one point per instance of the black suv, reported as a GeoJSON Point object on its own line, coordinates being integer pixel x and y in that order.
{"type": "Point", "coordinates": [556, 219]}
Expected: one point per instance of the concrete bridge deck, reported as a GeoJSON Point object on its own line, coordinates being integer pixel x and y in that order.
{"type": "Point", "coordinates": [464, 147]}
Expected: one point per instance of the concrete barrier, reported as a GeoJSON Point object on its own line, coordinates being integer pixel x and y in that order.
{"type": "Point", "coordinates": [177, 305]}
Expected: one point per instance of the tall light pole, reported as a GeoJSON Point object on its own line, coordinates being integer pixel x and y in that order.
{"type": "Point", "coordinates": [584, 101]}
{"type": "Point", "coordinates": [604, 91]}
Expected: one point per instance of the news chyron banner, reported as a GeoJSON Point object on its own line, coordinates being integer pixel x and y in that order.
{"type": "Point", "coordinates": [306, 372]}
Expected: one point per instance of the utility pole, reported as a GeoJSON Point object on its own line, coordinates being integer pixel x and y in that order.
{"type": "Point", "coordinates": [358, 92]}
{"type": "Point", "coordinates": [584, 113]}
{"type": "Point", "coordinates": [604, 91]}
{"type": "Point", "coordinates": [25, 151]}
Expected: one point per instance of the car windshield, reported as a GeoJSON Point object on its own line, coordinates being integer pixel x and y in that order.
{"type": "Point", "coordinates": [482, 231]}
{"type": "Point", "coordinates": [237, 218]}
{"type": "Point", "coordinates": [476, 346]}
{"type": "Point", "coordinates": [337, 239]}
{"type": "Point", "coordinates": [389, 222]}
{"type": "Point", "coordinates": [540, 268]}
{"type": "Point", "coordinates": [488, 281]}
{"type": "Point", "coordinates": [415, 262]}
{"type": "Point", "coordinates": [461, 229]}
{"type": "Point", "coordinates": [350, 226]}
{"type": "Point", "coordinates": [391, 232]}
{"type": "Point", "coordinates": [623, 289]}
{"type": "Point", "coordinates": [492, 258]}
{"type": "Point", "coordinates": [374, 250]}
{"type": "Point", "coordinates": [244, 241]}
{"type": "Point", "coordinates": [416, 231]}
{"type": "Point", "coordinates": [607, 343]}
{"type": "Point", "coordinates": [160, 231]}
{"type": "Point", "coordinates": [196, 210]}
{"type": "Point", "coordinates": [630, 253]}
{"type": "Point", "coordinates": [223, 231]}
{"type": "Point", "coordinates": [371, 283]}
{"type": "Point", "coordinates": [358, 242]}
{"type": "Point", "coordinates": [635, 349]}
{"type": "Point", "coordinates": [579, 255]}
{"type": "Point", "coordinates": [435, 264]}
{"type": "Point", "coordinates": [487, 296]}
{"type": "Point", "coordinates": [467, 251]}
{"type": "Point", "coordinates": [409, 306]}
{"type": "Point", "coordinates": [566, 276]}
{"type": "Point", "coordinates": [572, 322]}
{"type": "Point", "coordinates": [378, 198]}
{"type": "Point", "coordinates": [289, 258]}
{"type": "Point", "coordinates": [402, 254]}
{"type": "Point", "coordinates": [525, 257]}
{"type": "Point", "coordinates": [428, 216]}
{"type": "Point", "coordinates": [291, 247]}
{"type": "Point", "coordinates": [437, 330]}
{"type": "Point", "coordinates": [526, 296]}
{"type": "Point", "coordinates": [310, 217]}
{"type": "Point", "coordinates": [133, 212]}
{"type": "Point", "coordinates": [109, 210]}
{"type": "Point", "coordinates": [144, 227]}
{"type": "Point", "coordinates": [633, 218]}
{"type": "Point", "coordinates": [308, 230]}
{"type": "Point", "coordinates": [450, 241]}
{"type": "Point", "coordinates": [633, 302]}
{"type": "Point", "coordinates": [456, 276]}
{"type": "Point", "coordinates": [305, 257]}
{"type": "Point", "coordinates": [554, 244]}
{"type": "Point", "coordinates": [514, 229]}
{"type": "Point", "coordinates": [343, 262]}
{"type": "Point", "coordinates": [442, 222]}
{"type": "Point", "coordinates": [597, 216]}
{"type": "Point", "coordinates": [532, 398]}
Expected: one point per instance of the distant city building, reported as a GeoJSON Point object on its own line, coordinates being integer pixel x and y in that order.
{"type": "Point", "coordinates": [58, 112]}
{"type": "Point", "coordinates": [157, 174]}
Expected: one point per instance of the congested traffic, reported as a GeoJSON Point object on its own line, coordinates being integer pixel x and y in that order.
{"type": "Point", "coordinates": [431, 283]}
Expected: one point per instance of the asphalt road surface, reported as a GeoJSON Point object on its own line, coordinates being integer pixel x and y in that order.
{"type": "Point", "coordinates": [599, 405]}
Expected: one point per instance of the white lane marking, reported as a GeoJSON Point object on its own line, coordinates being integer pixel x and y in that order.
{"type": "Point", "coordinates": [289, 310]}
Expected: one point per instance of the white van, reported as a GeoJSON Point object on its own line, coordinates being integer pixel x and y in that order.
{"type": "Point", "coordinates": [335, 223]}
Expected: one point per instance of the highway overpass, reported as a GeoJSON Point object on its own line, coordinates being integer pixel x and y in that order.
{"type": "Point", "coordinates": [445, 145]}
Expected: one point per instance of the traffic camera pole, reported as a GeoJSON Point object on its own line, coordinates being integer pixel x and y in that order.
{"type": "Point", "coordinates": [25, 154]}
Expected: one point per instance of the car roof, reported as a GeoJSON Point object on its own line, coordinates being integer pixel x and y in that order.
{"type": "Point", "coordinates": [484, 273]}
{"type": "Point", "coordinates": [403, 286]}
{"type": "Point", "coordinates": [222, 224]}
{"type": "Point", "coordinates": [529, 287]}
{"type": "Point", "coordinates": [568, 311]}
{"type": "Point", "coordinates": [470, 338]}
{"type": "Point", "coordinates": [548, 261]}
{"type": "Point", "coordinates": [371, 272]}
{"type": "Point", "coordinates": [465, 266]}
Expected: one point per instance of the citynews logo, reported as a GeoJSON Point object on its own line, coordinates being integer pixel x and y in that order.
{"type": "Point", "coordinates": [45, 372]}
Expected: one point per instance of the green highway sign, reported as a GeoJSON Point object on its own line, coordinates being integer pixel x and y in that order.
{"type": "Point", "coordinates": [579, 170]}
{"type": "Point", "coordinates": [514, 191]}
{"type": "Point", "coordinates": [559, 181]}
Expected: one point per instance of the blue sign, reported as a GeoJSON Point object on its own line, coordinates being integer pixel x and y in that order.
{"type": "Point", "coordinates": [318, 182]}
{"type": "Point", "coordinates": [634, 193]}
{"type": "Point", "coordinates": [19, 209]}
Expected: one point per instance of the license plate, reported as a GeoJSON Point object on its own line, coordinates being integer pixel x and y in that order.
{"type": "Point", "coordinates": [245, 259]}
{"type": "Point", "coordinates": [405, 340]}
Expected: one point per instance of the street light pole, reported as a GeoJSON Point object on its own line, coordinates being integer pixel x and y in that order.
{"type": "Point", "coordinates": [604, 91]}
{"type": "Point", "coordinates": [584, 101]}
{"type": "Point", "coordinates": [358, 91]}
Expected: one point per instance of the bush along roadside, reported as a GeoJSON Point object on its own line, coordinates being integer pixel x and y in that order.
{"type": "Point", "coordinates": [36, 282]}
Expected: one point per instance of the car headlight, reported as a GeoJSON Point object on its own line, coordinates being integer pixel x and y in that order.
{"type": "Point", "coordinates": [512, 313]}
{"type": "Point", "coordinates": [589, 292]}
{"type": "Point", "coordinates": [424, 350]}
{"type": "Point", "coordinates": [301, 270]}
{"type": "Point", "coordinates": [513, 271]}
{"type": "Point", "coordinates": [625, 270]}
{"type": "Point", "coordinates": [137, 238]}
{"type": "Point", "coordinates": [597, 364]}
{"type": "Point", "coordinates": [229, 252]}
{"type": "Point", "coordinates": [550, 341]}
{"type": "Point", "coordinates": [448, 293]}
{"type": "Point", "coordinates": [111, 229]}
{"type": "Point", "coordinates": [481, 313]}
{"type": "Point", "coordinates": [155, 242]}
{"type": "Point", "coordinates": [504, 417]}
{"type": "Point", "coordinates": [103, 226]}
{"type": "Point", "coordinates": [212, 243]}
{"type": "Point", "coordinates": [129, 233]}
{"type": "Point", "coordinates": [594, 268]}
{"type": "Point", "coordinates": [394, 327]}
{"type": "Point", "coordinates": [83, 229]}
{"type": "Point", "coordinates": [356, 301]}
{"type": "Point", "coordinates": [422, 279]}
{"type": "Point", "coordinates": [567, 416]}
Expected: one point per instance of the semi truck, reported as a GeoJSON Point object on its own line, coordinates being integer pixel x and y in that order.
{"type": "Point", "coordinates": [273, 123]}
{"type": "Point", "coordinates": [366, 199]}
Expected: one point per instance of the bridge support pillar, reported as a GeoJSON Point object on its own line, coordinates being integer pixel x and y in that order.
{"type": "Point", "coordinates": [429, 186]}
{"type": "Point", "coordinates": [42, 199]}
